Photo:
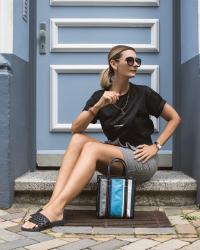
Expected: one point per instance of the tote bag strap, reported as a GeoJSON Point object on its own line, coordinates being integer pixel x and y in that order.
{"type": "Point", "coordinates": [115, 159]}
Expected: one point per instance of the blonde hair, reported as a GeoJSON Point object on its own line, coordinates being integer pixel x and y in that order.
{"type": "Point", "coordinates": [106, 74]}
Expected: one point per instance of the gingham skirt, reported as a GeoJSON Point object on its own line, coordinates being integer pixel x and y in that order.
{"type": "Point", "coordinates": [142, 171]}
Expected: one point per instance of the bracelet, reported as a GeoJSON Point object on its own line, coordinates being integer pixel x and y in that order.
{"type": "Point", "coordinates": [92, 112]}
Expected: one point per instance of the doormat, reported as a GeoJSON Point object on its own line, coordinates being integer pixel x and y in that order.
{"type": "Point", "coordinates": [141, 219]}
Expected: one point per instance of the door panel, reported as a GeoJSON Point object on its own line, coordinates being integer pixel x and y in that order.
{"type": "Point", "coordinates": [79, 36]}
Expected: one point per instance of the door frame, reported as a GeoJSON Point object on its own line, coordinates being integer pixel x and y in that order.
{"type": "Point", "coordinates": [32, 78]}
{"type": "Point", "coordinates": [166, 159]}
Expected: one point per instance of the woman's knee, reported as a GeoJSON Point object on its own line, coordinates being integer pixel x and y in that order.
{"type": "Point", "coordinates": [100, 151]}
{"type": "Point", "coordinates": [79, 139]}
{"type": "Point", "coordinates": [91, 148]}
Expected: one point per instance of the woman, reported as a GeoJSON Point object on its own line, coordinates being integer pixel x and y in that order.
{"type": "Point", "coordinates": [123, 109]}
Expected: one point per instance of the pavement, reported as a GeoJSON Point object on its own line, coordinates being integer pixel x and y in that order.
{"type": "Point", "coordinates": [184, 233]}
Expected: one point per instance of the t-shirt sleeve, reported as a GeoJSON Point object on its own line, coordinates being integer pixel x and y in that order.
{"type": "Point", "coordinates": [154, 103]}
{"type": "Point", "coordinates": [91, 102]}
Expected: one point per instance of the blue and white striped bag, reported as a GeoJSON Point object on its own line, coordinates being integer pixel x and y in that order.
{"type": "Point", "coordinates": [115, 194]}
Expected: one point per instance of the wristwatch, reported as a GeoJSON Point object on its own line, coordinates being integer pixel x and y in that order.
{"type": "Point", "coordinates": [158, 145]}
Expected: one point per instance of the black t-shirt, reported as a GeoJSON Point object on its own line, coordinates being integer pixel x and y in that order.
{"type": "Point", "coordinates": [135, 126]}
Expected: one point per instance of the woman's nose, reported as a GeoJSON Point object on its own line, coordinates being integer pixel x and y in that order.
{"type": "Point", "coordinates": [136, 64]}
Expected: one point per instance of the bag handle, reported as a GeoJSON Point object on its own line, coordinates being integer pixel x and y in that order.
{"type": "Point", "coordinates": [108, 177]}
{"type": "Point", "coordinates": [115, 159]}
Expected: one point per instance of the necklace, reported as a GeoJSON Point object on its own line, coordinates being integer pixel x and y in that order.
{"type": "Point", "coordinates": [122, 108]}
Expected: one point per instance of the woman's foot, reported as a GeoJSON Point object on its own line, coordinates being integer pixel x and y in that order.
{"type": "Point", "coordinates": [49, 212]}
{"type": "Point", "coordinates": [39, 210]}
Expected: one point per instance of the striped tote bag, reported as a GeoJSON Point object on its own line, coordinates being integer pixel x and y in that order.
{"type": "Point", "coordinates": [115, 196]}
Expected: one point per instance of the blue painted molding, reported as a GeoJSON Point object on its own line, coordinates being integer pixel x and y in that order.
{"type": "Point", "coordinates": [186, 141]}
{"type": "Point", "coordinates": [7, 175]}
{"type": "Point", "coordinates": [189, 30]}
{"type": "Point", "coordinates": [17, 125]}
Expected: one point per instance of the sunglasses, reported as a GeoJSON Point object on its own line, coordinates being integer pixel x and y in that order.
{"type": "Point", "coordinates": [131, 60]}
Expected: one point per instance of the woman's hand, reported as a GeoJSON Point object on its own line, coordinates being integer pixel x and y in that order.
{"type": "Point", "coordinates": [145, 152]}
{"type": "Point", "coordinates": [108, 97]}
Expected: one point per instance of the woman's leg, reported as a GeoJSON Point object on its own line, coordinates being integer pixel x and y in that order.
{"type": "Point", "coordinates": [82, 173]}
{"type": "Point", "coordinates": [85, 168]}
{"type": "Point", "coordinates": [68, 162]}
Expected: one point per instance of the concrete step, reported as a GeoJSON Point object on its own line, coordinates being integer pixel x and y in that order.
{"type": "Point", "coordinates": [166, 188]}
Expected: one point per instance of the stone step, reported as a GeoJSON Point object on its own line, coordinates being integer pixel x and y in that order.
{"type": "Point", "coordinates": [166, 188]}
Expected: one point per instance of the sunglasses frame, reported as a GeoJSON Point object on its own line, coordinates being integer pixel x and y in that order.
{"type": "Point", "coordinates": [133, 60]}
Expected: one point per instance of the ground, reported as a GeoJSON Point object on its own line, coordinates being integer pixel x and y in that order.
{"type": "Point", "coordinates": [184, 235]}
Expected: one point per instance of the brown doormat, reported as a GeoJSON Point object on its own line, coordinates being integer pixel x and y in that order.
{"type": "Point", "coordinates": [141, 219]}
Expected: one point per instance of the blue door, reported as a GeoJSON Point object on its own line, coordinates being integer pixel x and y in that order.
{"type": "Point", "coordinates": [79, 35]}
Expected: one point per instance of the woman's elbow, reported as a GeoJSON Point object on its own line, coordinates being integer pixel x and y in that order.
{"type": "Point", "coordinates": [75, 129]}
{"type": "Point", "coordinates": [177, 119]}
{"type": "Point", "coordinates": [72, 130]}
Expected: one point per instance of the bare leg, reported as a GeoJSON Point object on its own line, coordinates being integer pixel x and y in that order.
{"type": "Point", "coordinates": [84, 170]}
{"type": "Point", "coordinates": [81, 175]}
{"type": "Point", "coordinates": [69, 160]}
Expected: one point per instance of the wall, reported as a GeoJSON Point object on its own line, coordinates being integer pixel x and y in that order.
{"type": "Point", "coordinates": [17, 95]}
{"type": "Point", "coordinates": [187, 79]}
{"type": "Point", "coordinates": [20, 31]}
{"type": "Point", "coordinates": [14, 29]}
{"type": "Point", "coordinates": [6, 26]}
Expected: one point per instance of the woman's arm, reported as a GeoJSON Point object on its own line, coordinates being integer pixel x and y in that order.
{"type": "Point", "coordinates": [145, 152]}
{"type": "Point", "coordinates": [85, 117]}
{"type": "Point", "coordinates": [173, 120]}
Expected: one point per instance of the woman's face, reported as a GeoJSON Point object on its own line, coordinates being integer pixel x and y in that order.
{"type": "Point", "coordinates": [126, 66]}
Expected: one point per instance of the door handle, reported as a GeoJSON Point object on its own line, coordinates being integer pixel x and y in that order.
{"type": "Point", "coordinates": [42, 38]}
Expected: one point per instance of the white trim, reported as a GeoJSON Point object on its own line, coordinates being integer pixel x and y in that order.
{"type": "Point", "coordinates": [199, 24]}
{"type": "Point", "coordinates": [104, 3]}
{"type": "Point", "coordinates": [155, 82]}
{"type": "Point", "coordinates": [50, 152]}
{"type": "Point", "coordinates": [55, 23]}
{"type": "Point", "coordinates": [6, 26]}
{"type": "Point", "coordinates": [61, 152]}
{"type": "Point", "coordinates": [60, 69]}
{"type": "Point", "coordinates": [52, 158]}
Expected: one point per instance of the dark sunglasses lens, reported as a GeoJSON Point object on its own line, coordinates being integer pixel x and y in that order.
{"type": "Point", "coordinates": [138, 61]}
{"type": "Point", "coordinates": [130, 61]}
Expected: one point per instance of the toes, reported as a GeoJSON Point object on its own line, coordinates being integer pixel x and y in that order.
{"type": "Point", "coordinates": [28, 224]}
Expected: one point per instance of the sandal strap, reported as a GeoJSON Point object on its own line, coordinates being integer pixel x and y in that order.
{"type": "Point", "coordinates": [40, 209]}
{"type": "Point", "coordinates": [35, 215]}
{"type": "Point", "coordinates": [40, 219]}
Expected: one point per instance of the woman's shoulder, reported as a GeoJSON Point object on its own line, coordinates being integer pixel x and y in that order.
{"type": "Point", "coordinates": [97, 94]}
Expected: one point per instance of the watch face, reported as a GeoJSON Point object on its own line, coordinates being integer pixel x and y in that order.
{"type": "Point", "coordinates": [159, 146]}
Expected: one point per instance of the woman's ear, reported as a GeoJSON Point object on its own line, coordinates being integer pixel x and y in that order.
{"type": "Point", "coordinates": [113, 64]}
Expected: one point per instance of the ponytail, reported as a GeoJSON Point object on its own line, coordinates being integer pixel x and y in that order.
{"type": "Point", "coordinates": [105, 79]}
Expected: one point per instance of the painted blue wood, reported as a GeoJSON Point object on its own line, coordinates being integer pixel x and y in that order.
{"type": "Point", "coordinates": [75, 89]}
{"type": "Point", "coordinates": [187, 73]}
{"type": "Point", "coordinates": [189, 30]}
{"type": "Point", "coordinates": [111, 34]}
{"type": "Point", "coordinates": [20, 31]}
